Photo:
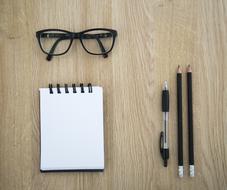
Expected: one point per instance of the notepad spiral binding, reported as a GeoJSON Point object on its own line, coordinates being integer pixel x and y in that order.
{"type": "Point", "coordinates": [73, 87]}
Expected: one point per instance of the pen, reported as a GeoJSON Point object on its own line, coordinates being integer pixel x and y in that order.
{"type": "Point", "coordinates": [179, 123]}
{"type": "Point", "coordinates": [190, 122]}
{"type": "Point", "coordinates": [164, 148]}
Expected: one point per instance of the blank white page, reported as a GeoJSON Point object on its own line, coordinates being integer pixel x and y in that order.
{"type": "Point", "coordinates": [71, 129]}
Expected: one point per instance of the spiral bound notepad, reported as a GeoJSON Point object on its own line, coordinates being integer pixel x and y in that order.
{"type": "Point", "coordinates": [71, 120]}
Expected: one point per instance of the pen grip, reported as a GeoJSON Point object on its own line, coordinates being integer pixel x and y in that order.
{"type": "Point", "coordinates": [165, 101]}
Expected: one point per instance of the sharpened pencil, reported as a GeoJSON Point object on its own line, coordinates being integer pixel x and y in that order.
{"type": "Point", "coordinates": [190, 122]}
{"type": "Point", "coordinates": [179, 123]}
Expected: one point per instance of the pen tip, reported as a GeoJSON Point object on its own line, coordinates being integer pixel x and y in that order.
{"type": "Point", "coordinates": [179, 69]}
{"type": "Point", "coordinates": [165, 163]}
{"type": "Point", "coordinates": [189, 69]}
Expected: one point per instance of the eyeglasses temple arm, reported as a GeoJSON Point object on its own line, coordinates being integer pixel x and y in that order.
{"type": "Point", "coordinates": [54, 35]}
{"type": "Point", "coordinates": [49, 56]}
{"type": "Point", "coordinates": [94, 36]}
{"type": "Point", "coordinates": [75, 35]}
{"type": "Point", "coordinates": [105, 55]}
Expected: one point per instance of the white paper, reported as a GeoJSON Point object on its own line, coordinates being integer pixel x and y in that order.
{"type": "Point", "coordinates": [71, 129]}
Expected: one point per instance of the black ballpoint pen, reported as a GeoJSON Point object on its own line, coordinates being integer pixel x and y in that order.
{"type": "Point", "coordinates": [164, 148]}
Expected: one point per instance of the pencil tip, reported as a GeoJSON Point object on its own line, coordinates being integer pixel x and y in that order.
{"type": "Point", "coordinates": [179, 69]}
{"type": "Point", "coordinates": [189, 69]}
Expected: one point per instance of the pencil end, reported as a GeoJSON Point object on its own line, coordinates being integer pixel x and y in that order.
{"type": "Point", "coordinates": [192, 170]}
{"type": "Point", "coordinates": [181, 171]}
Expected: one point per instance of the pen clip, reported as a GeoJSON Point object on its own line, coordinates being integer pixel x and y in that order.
{"type": "Point", "coordinates": [161, 142]}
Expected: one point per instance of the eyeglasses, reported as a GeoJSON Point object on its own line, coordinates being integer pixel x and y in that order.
{"type": "Point", "coordinates": [96, 41]}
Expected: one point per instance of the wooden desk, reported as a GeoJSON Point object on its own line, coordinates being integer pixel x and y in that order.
{"type": "Point", "coordinates": [154, 37]}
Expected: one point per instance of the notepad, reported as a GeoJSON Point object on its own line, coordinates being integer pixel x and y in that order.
{"type": "Point", "coordinates": [71, 127]}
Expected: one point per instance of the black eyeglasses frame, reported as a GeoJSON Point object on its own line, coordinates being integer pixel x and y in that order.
{"type": "Point", "coordinates": [76, 35]}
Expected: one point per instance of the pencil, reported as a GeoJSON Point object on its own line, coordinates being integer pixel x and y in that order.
{"type": "Point", "coordinates": [179, 123]}
{"type": "Point", "coordinates": [190, 122]}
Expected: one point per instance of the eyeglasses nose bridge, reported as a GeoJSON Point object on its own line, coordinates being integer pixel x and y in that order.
{"type": "Point", "coordinates": [75, 35]}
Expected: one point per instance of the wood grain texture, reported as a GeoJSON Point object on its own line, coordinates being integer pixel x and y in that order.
{"type": "Point", "coordinates": [154, 37]}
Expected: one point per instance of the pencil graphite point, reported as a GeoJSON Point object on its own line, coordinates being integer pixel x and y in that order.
{"type": "Point", "coordinates": [189, 69]}
{"type": "Point", "coordinates": [179, 69]}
